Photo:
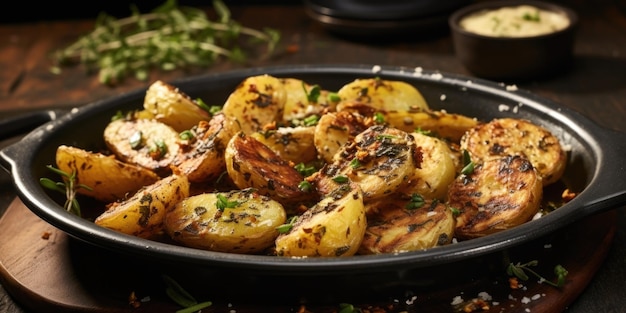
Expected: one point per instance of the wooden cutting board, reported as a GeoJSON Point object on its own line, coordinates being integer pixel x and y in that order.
{"type": "Point", "coordinates": [45, 270]}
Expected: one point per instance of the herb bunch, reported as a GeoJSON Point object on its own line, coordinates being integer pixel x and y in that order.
{"type": "Point", "coordinates": [169, 37]}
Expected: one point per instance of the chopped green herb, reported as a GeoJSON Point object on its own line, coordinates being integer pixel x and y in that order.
{"type": "Point", "coordinates": [355, 163]}
{"type": "Point", "coordinates": [211, 109]}
{"type": "Point", "coordinates": [348, 308]}
{"type": "Point", "coordinates": [305, 170]}
{"type": "Point", "coordinates": [223, 203]}
{"type": "Point", "coordinates": [313, 94]}
{"type": "Point", "coordinates": [416, 202]}
{"type": "Point", "coordinates": [379, 118]}
{"type": "Point", "coordinates": [311, 120]}
{"type": "Point", "coordinates": [383, 137]}
{"type": "Point", "coordinates": [305, 186]}
{"type": "Point", "coordinates": [183, 298]}
{"type": "Point", "coordinates": [468, 164]}
{"type": "Point", "coordinates": [532, 17]}
{"type": "Point", "coordinates": [334, 97]}
{"type": "Point", "coordinates": [186, 135]}
{"type": "Point", "coordinates": [340, 179]}
{"type": "Point", "coordinates": [455, 211]}
{"type": "Point", "coordinates": [159, 149]}
{"type": "Point", "coordinates": [285, 228]}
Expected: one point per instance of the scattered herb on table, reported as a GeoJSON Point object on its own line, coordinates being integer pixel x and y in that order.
{"type": "Point", "coordinates": [520, 270]}
{"type": "Point", "coordinates": [68, 187]}
{"type": "Point", "coordinates": [183, 298]}
{"type": "Point", "coordinates": [169, 37]}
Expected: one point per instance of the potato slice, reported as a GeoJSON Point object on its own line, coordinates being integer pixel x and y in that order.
{"type": "Point", "coordinates": [334, 227]}
{"type": "Point", "coordinates": [201, 157]}
{"type": "Point", "coordinates": [444, 125]}
{"type": "Point", "coordinates": [436, 168]}
{"type": "Point", "coordinates": [406, 223]}
{"type": "Point", "coordinates": [142, 214]}
{"type": "Point", "coordinates": [384, 95]}
{"type": "Point", "coordinates": [295, 144]}
{"type": "Point", "coordinates": [251, 164]}
{"type": "Point", "coordinates": [241, 221]}
{"type": "Point", "coordinates": [500, 193]}
{"type": "Point", "coordinates": [507, 136]}
{"type": "Point", "coordinates": [173, 107]}
{"type": "Point", "coordinates": [379, 160]}
{"type": "Point", "coordinates": [109, 179]}
{"type": "Point", "coordinates": [144, 142]}
{"type": "Point", "coordinates": [256, 102]}
{"type": "Point", "coordinates": [335, 129]}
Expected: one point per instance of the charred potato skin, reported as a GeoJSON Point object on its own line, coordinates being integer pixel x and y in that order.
{"type": "Point", "coordinates": [501, 193]}
{"type": "Point", "coordinates": [509, 136]}
{"type": "Point", "coordinates": [334, 227]}
{"type": "Point", "coordinates": [247, 228]}
{"type": "Point", "coordinates": [120, 135]}
{"type": "Point", "coordinates": [202, 157]}
{"type": "Point", "coordinates": [142, 214]}
{"type": "Point", "coordinates": [108, 178]}
{"type": "Point", "coordinates": [294, 144]}
{"type": "Point", "coordinates": [394, 226]}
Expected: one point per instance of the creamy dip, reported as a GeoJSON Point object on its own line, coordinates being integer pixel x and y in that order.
{"type": "Point", "coordinates": [515, 21]}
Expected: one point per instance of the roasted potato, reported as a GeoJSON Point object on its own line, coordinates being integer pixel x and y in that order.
{"type": "Point", "coordinates": [435, 170]}
{"type": "Point", "coordinates": [295, 144]}
{"type": "Point", "coordinates": [257, 102]}
{"type": "Point", "coordinates": [303, 100]}
{"type": "Point", "coordinates": [201, 157]}
{"type": "Point", "coordinates": [509, 136]}
{"type": "Point", "coordinates": [406, 223]}
{"type": "Point", "coordinates": [441, 124]}
{"type": "Point", "coordinates": [334, 227]}
{"type": "Point", "coordinates": [500, 193]}
{"type": "Point", "coordinates": [383, 95]}
{"type": "Point", "coordinates": [173, 107]}
{"type": "Point", "coordinates": [108, 178]}
{"type": "Point", "coordinates": [335, 129]}
{"type": "Point", "coordinates": [144, 142]}
{"type": "Point", "coordinates": [142, 214]}
{"type": "Point", "coordinates": [240, 221]}
{"type": "Point", "coordinates": [251, 164]}
{"type": "Point", "coordinates": [379, 160]}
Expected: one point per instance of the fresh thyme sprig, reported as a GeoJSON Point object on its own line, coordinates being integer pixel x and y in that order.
{"type": "Point", "coordinates": [519, 270]}
{"type": "Point", "coordinates": [68, 187]}
{"type": "Point", "coordinates": [169, 37]}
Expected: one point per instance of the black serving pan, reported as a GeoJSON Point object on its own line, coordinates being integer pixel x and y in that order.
{"type": "Point", "coordinates": [596, 170]}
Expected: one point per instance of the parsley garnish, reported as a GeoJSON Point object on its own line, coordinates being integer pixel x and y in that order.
{"type": "Point", "coordinates": [223, 203]}
{"type": "Point", "coordinates": [468, 164]}
{"type": "Point", "coordinates": [416, 202]}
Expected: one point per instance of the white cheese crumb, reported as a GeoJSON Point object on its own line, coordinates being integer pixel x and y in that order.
{"type": "Point", "coordinates": [484, 295]}
{"type": "Point", "coordinates": [74, 110]}
{"type": "Point", "coordinates": [503, 107]}
{"type": "Point", "coordinates": [376, 69]}
{"type": "Point", "coordinates": [145, 299]}
{"type": "Point", "coordinates": [525, 300]}
{"type": "Point", "coordinates": [537, 215]}
{"type": "Point", "coordinates": [527, 310]}
{"type": "Point", "coordinates": [515, 109]}
{"type": "Point", "coordinates": [535, 297]}
{"type": "Point", "coordinates": [436, 76]}
{"type": "Point", "coordinates": [442, 97]}
{"type": "Point", "coordinates": [430, 213]}
{"type": "Point", "coordinates": [412, 300]}
{"type": "Point", "coordinates": [418, 70]}
{"type": "Point", "coordinates": [49, 127]}
{"type": "Point", "coordinates": [457, 300]}
{"type": "Point", "coordinates": [547, 246]}
{"type": "Point", "coordinates": [511, 87]}
{"type": "Point", "coordinates": [567, 147]}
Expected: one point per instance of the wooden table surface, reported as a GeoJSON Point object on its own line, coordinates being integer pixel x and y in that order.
{"type": "Point", "coordinates": [595, 85]}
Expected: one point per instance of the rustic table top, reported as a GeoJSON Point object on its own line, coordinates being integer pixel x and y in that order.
{"type": "Point", "coordinates": [595, 85]}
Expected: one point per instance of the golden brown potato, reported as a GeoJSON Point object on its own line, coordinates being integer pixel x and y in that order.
{"type": "Point", "coordinates": [258, 101]}
{"type": "Point", "coordinates": [295, 144]}
{"type": "Point", "coordinates": [334, 227]}
{"type": "Point", "coordinates": [383, 95]}
{"type": "Point", "coordinates": [436, 169]}
{"type": "Point", "coordinates": [508, 136]}
{"type": "Point", "coordinates": [201, 157]}
{"type": "Point", "coordinates": [240, 221]}
{"type": "Point", "coordinates": [304, 99]}
{"type": "Point", "coordinates": [108, 178]}
{"type": "Point", "coordinates": [444, 125]}
{"type": "Point", "coordinates": [142, 214]}
{"type": "Point", "coordinates": [380, 160]}
{"type": "Point", "coordinates": [144, 142]}
{"type": "Point", "coordinates": [406, 223]}
{"type": "Point", "coordinates": [500, 193]}
{"type": "Point", "coordinates": [251, 164]}
{"type": "Point", "coordinates": [173, 107]}
{"type": "Point", "coordinates": [334, 130]}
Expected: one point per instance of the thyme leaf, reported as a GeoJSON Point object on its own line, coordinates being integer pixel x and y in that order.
{"type": "Point", "coordinates": [521, 271]}
{"type": "Point", "coordinates": [169, 37]}
{"type": "Point", "coordinates": [68, 186]}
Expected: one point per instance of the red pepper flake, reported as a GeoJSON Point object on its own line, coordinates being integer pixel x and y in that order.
{"type": "Point", "coordinates": [46, 235]}
{"type": "Point", "coordinates": [513, 283]}
{"type": "Point", "coordinates": [133, 301]}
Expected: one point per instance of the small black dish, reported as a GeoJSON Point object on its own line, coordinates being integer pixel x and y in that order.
{"type": "Point", "coordinates": [375, 10]}
{"type": "Point", "coordinates": [514, 58]}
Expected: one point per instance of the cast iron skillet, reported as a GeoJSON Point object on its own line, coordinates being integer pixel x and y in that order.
{"type": "Point", "coordinates": [596, 169]}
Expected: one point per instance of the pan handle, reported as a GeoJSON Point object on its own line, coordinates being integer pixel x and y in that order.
{"type": "Point", "coordinates": [22, 123]}
{"type": "Point", "coordinates": [608, 190]}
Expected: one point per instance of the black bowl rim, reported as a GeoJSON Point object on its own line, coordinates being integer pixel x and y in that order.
{"type": "Point", "coordinates": [594, 198]}
{"type": "Point", "coordinates": [455, 17]}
